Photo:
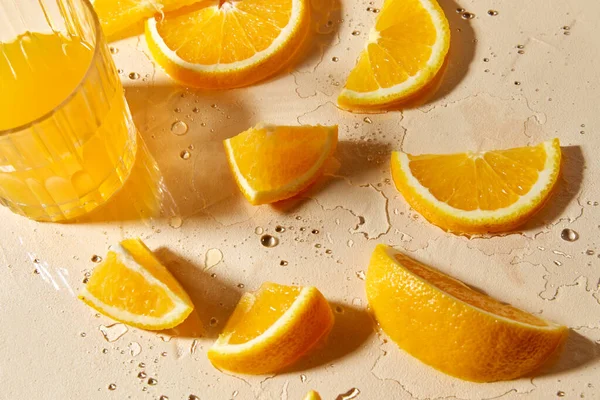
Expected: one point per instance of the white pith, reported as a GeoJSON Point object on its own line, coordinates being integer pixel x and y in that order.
{"type": "Point", "coordinates": [284, 34]}
{"type": "Point", "coordinates": [525, 201]}
{"type": "Point", "coordinates": [436, 58]}
{"type": "Point", "coordinates": [123, 315]}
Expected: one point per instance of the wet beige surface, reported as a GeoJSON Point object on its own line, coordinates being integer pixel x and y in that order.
{"type": "Point", "coordinates": [490, 96]}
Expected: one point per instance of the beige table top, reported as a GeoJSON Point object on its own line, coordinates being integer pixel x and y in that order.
{"type": "Point", "coordinates": [53, 347]}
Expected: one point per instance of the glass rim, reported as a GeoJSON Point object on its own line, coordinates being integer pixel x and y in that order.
{"type": "Point", "coordinates": [66, 100]}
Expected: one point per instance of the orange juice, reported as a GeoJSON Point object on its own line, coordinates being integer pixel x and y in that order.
{"type": "Point", "coordinates": [67, 141]}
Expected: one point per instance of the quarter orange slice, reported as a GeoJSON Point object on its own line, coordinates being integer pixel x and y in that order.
{"type": "Point", "coordinates": [449, 326]}
{"type": "Point", "coordinates": [271, 329]}
{"type": "Point", "coordinates": [227, 43]}
{"type": "Point", "coordinates": [272, 163]}
{"type": "Point", "coordinates": [493, 191]}
{"type": "Point", "coordinates": [133, 287]}
{"type": "Point", "coordinates": [405, 50]}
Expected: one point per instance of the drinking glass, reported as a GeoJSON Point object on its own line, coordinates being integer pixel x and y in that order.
{"type": "Point", "coordinates": [67, 139]}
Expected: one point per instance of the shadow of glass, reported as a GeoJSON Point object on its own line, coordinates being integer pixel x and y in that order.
{"type": "Point", "coordinates": [214, 300]}
{"type": "Point", "coordinates": [576, 352]}
{"type": "Point", "coordinates": [351, 329]}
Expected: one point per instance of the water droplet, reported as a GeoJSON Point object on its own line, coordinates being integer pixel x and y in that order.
{"type": "Point", "coordinates": [152, 381]}
{"type": "Point", "coordinates": [164, 354]}
{"type": "Point", "coordinates": [590, 252]}
{"type": "Point", "coordinates": [142, 365]}
{"type": "Point", "coordinates": [350, 394]}
{"type": "Point", "coordinates": [335, 59]}
{"type": "Point", "coordinates": [517, 83]}
{"type": "Point", "coordinates": [467, 15]}
{"type": "Point", "coordinates": [179, 128]}
{"type": "Point", "coordinates": [213, 275]}
{"type": "Point", "coordinates": [104, 351]}
{"type": "Point", "coordinates": [240, 285]}
{"type": "Point", "coordinates": [142, 375]}
{"type": "Point", "coordinates": [328, 251]}
{"type": "Point", "coordinates": [269, 241]}
{"type": "Point", "coordinates": [176, 222]}
{"type": "Point", "coordinates": [96, 259]}
{"type": "Point", "coordinates": [367, 120]}
{"type": "Point", "coordinates": [460, 10]}
{"type": "Point", "coordinates": [185, 155]}
{"type": "Point", "coordinates": [279, 229]}
{"type": "Point", "coordinates": [560, 393]}
{"type": "Point", "coordinates": [486, 60]}
{"type": "Point", "coordinates": [177, 110]}
{"type": "Point", "coordinates": [303, 378]}
{"type": "Point", "coordinates": [283, 263]}
{"type": "Point", "coordinates": [521, 51]}
{"type": "Point", "coordinates": [213, 105]}
{"type": "Point", "coordinates": [318, 246]}
{"type": "Point", "coordinates": [163, 397]}
{"type": "Point", "coordinates": [112, 386]}
{"type": "Point", "coordinates": [566, 28]}
{"type": "Point", "coordinates": [82, 334]}
{"type": "Point", "coordinates": [196, 110]}
{"type": "Point", "coordinates": [569, 235]}
{"type": "Point", "coordinates": [113, 50]}
{"type": "Point", "coordinates": [557, 263]}
{"type": "Point", "coordinates": [566, 33]}
{"type": "Point", "coordinates": [120, 71]}
{"type": "Point", "coordinates": [85, 280]}
{"type": "Point", "coordinates": [315, 231]}
{"type": "Point", "coordinates": [493, 13]}
{"type": "Point", "coordinates": [361, 275]}
{"type": "Point", "coordinates": [193, 397]}
{"type": "Point", "coordinates": [113, 332]}
{"type": "Point", "coordinates": [355, 33]}
{"type": "Point", "coordinates": [350, 243]}
{"type": "Point", "coordinates": [213, 321]}
{"type": "Point", "coordinates": [582, 132]}
{"type": "Point", "coordinates": [520, 46]}
{"type": "Point", "coordinates": [134, 75]}
{"type": "Point", "coordinates": [212, 258]}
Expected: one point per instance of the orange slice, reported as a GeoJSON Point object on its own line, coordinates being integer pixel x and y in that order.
{"type": "Point", "coordinates": [451, 327]}
{"type": "Point", "coordinates": [117, 16]}
{"type": "Point", "coordinates": [225, 44]}
{"type": "Point", "coordinates": [405, 50]}
{"type": "Point", "coordinates": [491, 191]}
{"type": "Point", "coordinates": [272, 163]}
{"type": "Point", "coordinates": [271, 329]}
{"type": "Point", "coordinates": [133, 287]}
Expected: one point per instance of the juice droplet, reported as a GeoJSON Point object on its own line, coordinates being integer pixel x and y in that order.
{"type": "Point", "coordinates": [134, 75]}
{"type": "Point", "coordinates": [112, 386]}
{"type": "Point", "coordinates": [193, 397]}
{"type": "Point", "coordinates": [113, 50]}
{"type": "Point", "coordinates": [163, 397]}
{"type": "Point", "coordinates": [520, 46]}
{"type": "Point", "coordinates": [467, 15]}
{"type": "Point", "coordinates": [142, 365]}
{"type": "Point", "coordinates": [269, 241]}
{"type": "Point", "coordinates": [176, 222]}
{"type": "Point", "coordinates": [335, 59]}
{"type": "Point", "coordinates": [120, 71]}
{"type": "Point", "coordinates": [328, 251]}
{"type": "Point", "coordinates": [517, 83]}
{"type": "Point", "coordinates": [350, 394]}
{"type": "Point", "coordinates": [460, 10]}
{"type": "Point", "coordinates": [350, 243]}
{"type": "Point", "coordinates": [283, 263]}
{"type": "Point", "coordinates": [113, 332]}
{"type": "Point", "coordinates": [212, 258]}
{"type": "Point", "coordinates": [303, 378]}
{"type": "Point", "coordinates": [96, 259]}
{"type": "Point", "coordinates": [179, 128]}
{"type": "Point", "coordinates": [279, 229]}
{"type": "Point", "coordinates": [196, 110]}
{"type": "Point", "coordinates": [560, 393]}
{"type": "Point", "coordinates": [367, 120]}
{"type": "Point", "coordinates": [521, 51]}
{"type": "Point", "coordinates": [486, 60]}
{"type": "Point", "coordinates": [355, 33]}
{"type": "Point", "coordinates": [177, 110]}
{"type": "Point", "coordinates": [492, 13]}
{"type": "Point", "coordinates": [213, 321]}
{"type": "Point", "coordinates": [152, 382]}
{"type": "Point", "coordinates": [590, 252]}
{"type": "Point", "coordinates": [569, 235]}
{"type": "Point", "coordinates": [241, 285]}
{"type": "Point", "coordinates": [142, 375]}
{"type": "Point", "coordinates": [361, 275]}
{"type": "Point", "coordinates": [566, 28]}
{"type": "Point", "coordinates": [315, 231]}
{"type": "Point", "coordinates": [104, 351]}
{"type": "Point", "coordinates": [82, 334]}
{"type": "Point", "coordinates": [185, 155]}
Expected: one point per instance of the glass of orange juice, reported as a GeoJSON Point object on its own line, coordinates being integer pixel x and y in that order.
{"type": "Point", "coordinates": [67, 140]}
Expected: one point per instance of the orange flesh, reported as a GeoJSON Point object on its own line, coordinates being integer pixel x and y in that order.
{"type": "Point", "coordinates": [465, 294]}
{"type": "Point", "coordinates": [271, 302]}
{"type": "Point", "coordinates": [494, 180]}
{"type": "Point", "coordinates": [226, 34]}
{"type": "Point", "coordinates": [406, 37]}
{"type": "Point", "coordinates": [118, 286]}
{"type": "Point", "coordinates": [269, 161]}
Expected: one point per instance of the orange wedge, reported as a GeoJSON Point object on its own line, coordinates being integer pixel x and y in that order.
{"type": "Point", "coordinates": [271, 329]}
{"type": "Point", "coordinates": [133, 287]}
{"type": "Point", "coordinates": [117, 16]}
{"type": "Point", "coordinates": [451, 327]}
{"type": "Point", "coordinates": [405, 50]}
{"type": "Point", "coordinates": [272, 163]}
{"type": "Point", "coordinates": [226, 43]}
{"type": "Point", "coordinates": [492, 191]}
